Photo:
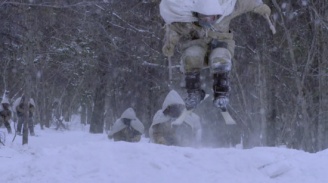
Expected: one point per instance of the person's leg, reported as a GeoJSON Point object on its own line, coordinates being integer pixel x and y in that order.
{"type": "Point", "coordinates": [193, 61]}
{"type": "Point", "coordinates": [221, 61]}
{"type": "Point", "coordinates": [221, 88]}
{"type": "Point", "coordinates": [19, 125]}
{"type": "Point", "coordinates": [7, 125]}
{"type": "Point", "coordinates": [31, 126]}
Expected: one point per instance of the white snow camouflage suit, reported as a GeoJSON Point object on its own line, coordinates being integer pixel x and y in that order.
{"type": "Point", "coordinates": [127, 132]}
{"type": "Point", "coordinates": [169, 131]}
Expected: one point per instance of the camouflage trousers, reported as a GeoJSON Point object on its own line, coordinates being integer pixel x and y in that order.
{"type": "Point", "coordinates": [211, 51]}
{"type": "Point", "coordinates": [29, 124]}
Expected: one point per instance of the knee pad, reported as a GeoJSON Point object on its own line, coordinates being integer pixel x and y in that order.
{"type": "Point", "coordinates": [193, 58]}
{"type": "Point", "coordinates": [220, 60]}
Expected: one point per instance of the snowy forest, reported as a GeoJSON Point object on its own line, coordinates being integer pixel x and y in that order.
{"type": "Point", "coordinates": [100, 57]}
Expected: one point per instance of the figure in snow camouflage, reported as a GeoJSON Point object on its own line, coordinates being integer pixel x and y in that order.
{"type": "Point", "coordinates": [171, 127]}
{"type": "Point", "coordinates": [127, 128]}
{"type": "Point", "coordinates": [201, 29]}
{"type": "Point", "coordinates": [19, 108]}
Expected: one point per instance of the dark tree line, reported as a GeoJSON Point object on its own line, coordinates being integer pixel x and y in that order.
{"type": "Point", "coordinates": [100, 57]}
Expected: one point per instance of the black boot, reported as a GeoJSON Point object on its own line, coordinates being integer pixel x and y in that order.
{"type": "Point", "coordinates": [195, 93]}
{"type": "Point", "coordinates": [221, 90]}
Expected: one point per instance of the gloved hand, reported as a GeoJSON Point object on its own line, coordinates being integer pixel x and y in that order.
{"type": "Point", "coordinates": [168, 49]}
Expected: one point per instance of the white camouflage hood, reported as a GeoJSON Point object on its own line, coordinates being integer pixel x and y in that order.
{"type": "Point", "coordinates": [172, 98]}
{"type": "Point", "coordinates": [190, 118]}
{"type": "Point", "coordinates": [182, 10]}
{"type": "Point", "coordinates": [135, 122]}
{"type": "Point", "coordinates": [129, 113]}
{"type": "Point", "coordinates": [187, 117]}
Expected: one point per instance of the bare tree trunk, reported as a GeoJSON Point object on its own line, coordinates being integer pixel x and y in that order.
{"type": "Point", "coordinates": [83, 113]}
{"type": "Point", "coordinates": [27, 89]}
{"type": "Point", "coordinates": [263, 101]}
{"type": "Point", "coordinates": [97, 118]}
{"type": "Point", "coordinates": [27, 61]}
{"type": "Point", "coordinates": [323, 83]}
{"type": "Point", "coordinates": [98, 113]}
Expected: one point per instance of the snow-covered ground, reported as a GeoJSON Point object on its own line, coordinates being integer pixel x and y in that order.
{"type": "Point", "coordinates": [77, 156]}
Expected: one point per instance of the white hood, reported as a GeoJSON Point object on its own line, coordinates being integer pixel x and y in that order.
{"type": "Point", "coordinates": [214, 7]}
{"type": "Point", "coordinates": [177, 11]}
{"type": "Point", "coordinates": [172, 98]}
{"type": "Point", "coordinates": [129, 114]}
{"type": "Point", "coordinates": [135, 122]}
{"type": "Point", "coordinates": [182, 10]}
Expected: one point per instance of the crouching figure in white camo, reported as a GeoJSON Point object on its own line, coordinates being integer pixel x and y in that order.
{"type": "Point", "coordinates": [127, 128]}
{"type": "Point", "coordinates": [201, 28]}
{"type": "Point", "coordinates": [172, 125]}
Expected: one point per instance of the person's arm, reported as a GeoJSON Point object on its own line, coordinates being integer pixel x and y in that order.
{"type": "Point", "coordinates": [257, 7]}
{"type": "Point", "coordinates": [265, 11]}
{"type": "Point", "coordinates": [171, 39]}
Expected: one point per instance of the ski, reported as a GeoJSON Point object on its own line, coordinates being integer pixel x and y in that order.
{"type": "Point", "coordinates": [227, 118]}
{"type": "Point", "coordinates": [222, 105]}
{"type": "Point", "coordinates": [224, 112]}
